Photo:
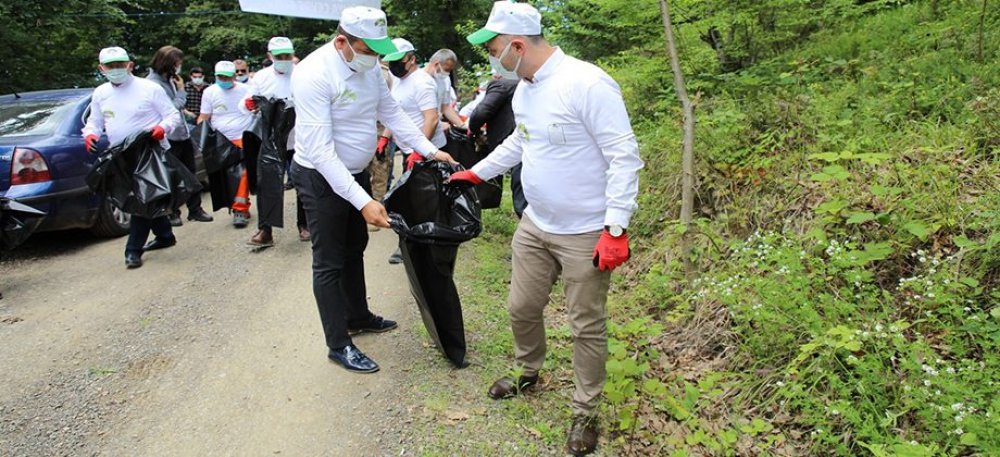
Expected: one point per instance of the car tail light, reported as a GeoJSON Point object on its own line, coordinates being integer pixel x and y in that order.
{"type": "Point", "coordinates": [28, 167]}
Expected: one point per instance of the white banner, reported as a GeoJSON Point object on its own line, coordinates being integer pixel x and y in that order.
{"type": "Point", "coordinates": [313, 9]}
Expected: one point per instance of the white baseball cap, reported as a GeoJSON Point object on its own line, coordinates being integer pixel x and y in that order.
{"type": "Point", "coordinates": [225, 68]}
{"type": "Point", "coordinates": [369, 24]}
{"type": "Point", "coordinates": [403, 46]}
{"type": "Point", "coordinates": [509, 18]}
{"type": "Point", "coordinates": [280, 45]}
{"type": "Point", "coordinates": [113, 54]}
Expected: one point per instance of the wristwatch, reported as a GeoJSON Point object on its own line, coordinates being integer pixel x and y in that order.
{"type": "Point", "coordinates": [615, 230]}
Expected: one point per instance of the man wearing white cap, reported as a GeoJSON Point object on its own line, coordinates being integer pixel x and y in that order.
{"type": "Point", "coordinates": [416, 93]}
{"type": "Point", "coordinates": [224, 105]}
{"type": "Point", "coordinates": [339, 94]}
{"type": "Point", "coordinates": [275, 82]}
{"type": "Point", "coordinates": [123, 106]}
{"type": "Point", "coordinates": [580, 176]}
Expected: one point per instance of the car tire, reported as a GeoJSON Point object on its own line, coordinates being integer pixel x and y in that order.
{"type": "Point", "coordinates": [111, 222]}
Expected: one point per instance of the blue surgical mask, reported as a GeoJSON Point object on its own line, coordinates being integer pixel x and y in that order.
{"type": "Point", "coordinates": [283, 66]}
{"type": "Point", "coordinates": [116, 75]}
{"type": "Point", "coordinates": [225, 84]}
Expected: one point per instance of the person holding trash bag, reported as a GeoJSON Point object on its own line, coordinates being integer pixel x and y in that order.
{"type": "Point", "coordinates": [580, 174]}
{"type": "Point", "coordinates": [222, 105]}
{"type": "Point", "coordinates": [275, 82]}
{"type": "Point", "coordinates": [121, 107]}
{"type": "Point", "coordinates": [417, 94]}
{"type": "Point", "coordinates": [339, 93]}
{"type": "Point", "coordinates": [442, 63]}
{"type": "Point", "coordinates": [165, 70]}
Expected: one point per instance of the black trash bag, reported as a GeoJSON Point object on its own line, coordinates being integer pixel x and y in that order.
{"type": "Point", "coordinates": [465, 151]}
{"type": "Point", "coordinates": [217, 151]}
{"type": "Point", "coordinates": [264, 146]}
{"type": "Point", "coordinates": [17, 222]}
{"type": "Point", "coordinates": [141, 178]}
{"type": "Point", "coordinates": [422, 208]}
{"type": "Point", "coordinates": [432, 219]}
{"type": "Point", "coordinates": [223, 164]}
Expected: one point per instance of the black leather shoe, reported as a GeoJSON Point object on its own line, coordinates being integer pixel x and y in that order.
{"type": "Point", "coordinates": [200, 215]}
{"type": "Point", "coordinates": [175, 220]}
{"type": "Point", "coordinates": [396, 258]}
{"type": "Point", "coordinates": [352, 359]}
{"type": "Point", "coordinates": [376, 325]}
{"type": "Point", "coordinates": [582, 439]}
{"type": "Point", "coordinates": [133, 260]}
{"type": "Point", "coordinates": [506, 387]}
{"type": "Point", "coordinates": [160, 243]}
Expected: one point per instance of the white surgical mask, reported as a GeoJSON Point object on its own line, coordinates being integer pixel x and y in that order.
{"type": "Point", "coordinates": [116, 75]}
{"type": "Point", "coordinates": [198, 81]}
{"type": "Point", "coordinates": [442, 75]}
{"type": "Point", "coordinates": [177, 70]}
{"type": "Point", "coordinates": [361, 63]}
{"type": "Point", "coordinates": [498, 67]}
{"type": "Point", "coordinates": [243, 78]}
{"type": "Point", "coordinates": [283, 66]}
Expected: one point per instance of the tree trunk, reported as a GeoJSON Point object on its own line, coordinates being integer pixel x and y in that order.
{"type": "Point", "coordinates": [687, 161]}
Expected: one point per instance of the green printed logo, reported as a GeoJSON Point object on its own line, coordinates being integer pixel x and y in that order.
{"type": "Point", "coordinates": [524, 131]}
{"type": "Point", "coordinates": [108, 114]}
{"type": "Point", "coordinates": [219, 107]}
{"type": "Point", "coordinates": [346, 96]}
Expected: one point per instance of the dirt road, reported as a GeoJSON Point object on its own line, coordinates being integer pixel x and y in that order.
{"type": "Point", "coordinates": [208, 349]}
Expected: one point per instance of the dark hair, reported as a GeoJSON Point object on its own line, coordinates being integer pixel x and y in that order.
{"type": "Point", "coordinates": [165, 60]}
{"type": "Point", "coordinates": [196, 70]}
{"type": "Point", "coordinates": [350, 38]}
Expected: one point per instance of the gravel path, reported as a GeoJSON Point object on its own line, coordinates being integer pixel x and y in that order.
{"type": "Point", "coordinates": [208, 349]}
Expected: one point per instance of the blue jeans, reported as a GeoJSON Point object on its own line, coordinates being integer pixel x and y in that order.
{"type": "Point", "coordinates": [139, 232]}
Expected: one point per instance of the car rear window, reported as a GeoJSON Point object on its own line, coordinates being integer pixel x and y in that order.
{"type": "Point", "coordinates": [33, 118]}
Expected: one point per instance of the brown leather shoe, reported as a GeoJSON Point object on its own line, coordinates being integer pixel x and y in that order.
{"type": "Point", "coordinates": [304, 234]}
{"type": "Point", "coordinates": [261, 239]}
{"type": "Point", "coordinates": [582, 439]}
{"type": "Point", "coordinates": [506, 388]}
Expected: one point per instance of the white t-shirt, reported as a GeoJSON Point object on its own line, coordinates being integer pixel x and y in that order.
{"type": "Point", "coordinates": [225, 107]}
{"type": "Point", "coordinates": [135, 105]}
{"type": "Point", "coordinates": [417, 93]}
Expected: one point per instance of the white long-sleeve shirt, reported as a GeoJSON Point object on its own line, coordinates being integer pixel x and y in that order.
{"type": "Point", "coordinates": [268, 83]}
{"type": "Point", "coordinates": [580, 157]}
{"type": "Point", "coordinates": [415, 94]}
{"type": "Point", "coordinates": [135, 105]}
{"type": "Point", "coordinates": [229, 115]}
{"type": "Point", "coordinates": [335, 114]}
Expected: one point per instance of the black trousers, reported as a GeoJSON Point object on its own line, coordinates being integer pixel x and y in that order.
{"type": "Point", "coordinates": [184, 150]}
{"type": "Point", "coordinates": [339, 238]}
{"type": "Point", "coordinates": [139, 232]}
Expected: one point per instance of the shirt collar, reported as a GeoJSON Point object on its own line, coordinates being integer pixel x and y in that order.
{"type": "Point", "coordinates": [340, 67]}
{"type": "Point", "coordinates": [549, 67]}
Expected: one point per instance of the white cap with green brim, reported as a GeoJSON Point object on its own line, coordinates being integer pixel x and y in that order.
{"type": "Point", "coordinates": [403, 45]}
{"type": "Point", "coordinates": [508, 18]}
{"type": "Point", "coordinates": [369, 24]}
{"type": "Point", "coordinates": [225, 68]}
{"type": "Point", "coordinates": [113, 54]}
{"type": "Point", "coordinates": [280, 45]}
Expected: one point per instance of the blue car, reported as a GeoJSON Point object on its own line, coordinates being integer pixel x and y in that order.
{"type": "Point", "coordinates": [43, 161]}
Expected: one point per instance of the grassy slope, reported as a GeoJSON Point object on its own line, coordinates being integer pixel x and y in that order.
{"type": "Point", "coordinates": [848, 234]}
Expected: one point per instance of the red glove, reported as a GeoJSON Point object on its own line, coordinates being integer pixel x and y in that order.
{"type": "Point", "coordinates": [158, 133]}
{"type": "Point", "coordinates": [383, 142]}
{"type": "Point", "coordinates": [90, 142]}
{"type": "Point", "coordinates": [250, 104]}
{"type": "Point", "coordinates": [610, 252]}
{"type": "Point", "coordinates": [466, 177]}
{"type": "Point", "coordinates": [413, 159]}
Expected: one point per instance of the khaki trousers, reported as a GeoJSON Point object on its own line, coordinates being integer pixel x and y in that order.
{"type": "Point", "coordinates": [538, 260]}
{"type": "Point", "coordinates": [380, 178]}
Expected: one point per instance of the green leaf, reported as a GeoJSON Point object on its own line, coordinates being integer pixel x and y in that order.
{"type": "Point", "coordinates": [971, 282]}
{"type": "Point", "coordinates": [969, 439]}
{"type": "Point", "coordinates": [860, 218]}
{"type": "Point", "coordinates": [826, 156]}
{"type": "Point", "coordinates": [654, 387]}
{"type": "Point", "coordinates": [836, 172]}
{"type": "Point", "coordinates": [917, 229]}
{"type": "Point", "coordinates": [964, 242]}
{"type": "Point", "coordinates": [878, 251]}
{"type": "Point", "coordinates": [831, 207]}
